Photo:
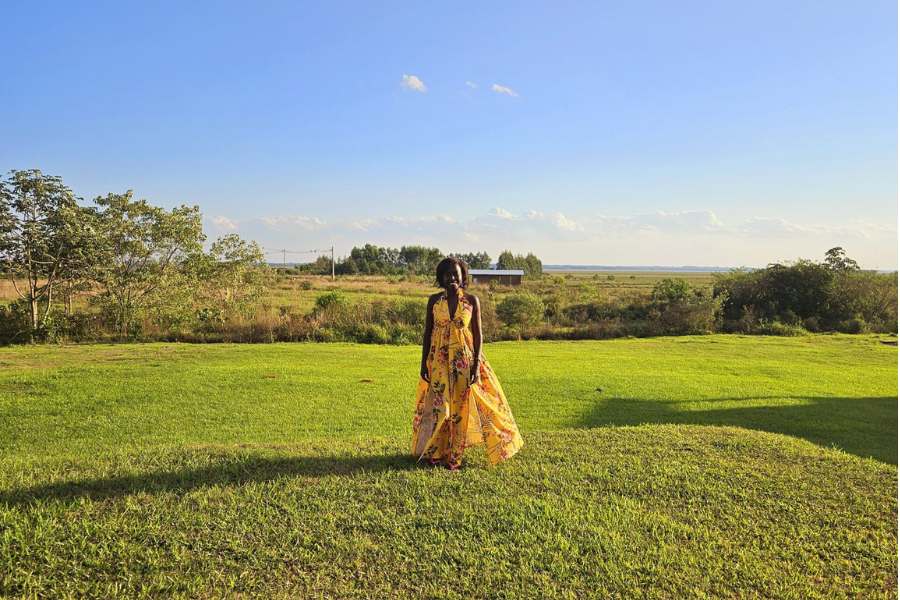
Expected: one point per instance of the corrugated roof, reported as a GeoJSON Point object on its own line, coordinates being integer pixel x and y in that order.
{"type": "Point", "coordinates": [496, 272]}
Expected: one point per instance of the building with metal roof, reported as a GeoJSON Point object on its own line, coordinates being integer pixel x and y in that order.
{"type": "Point", "coordinates": [501, 276]}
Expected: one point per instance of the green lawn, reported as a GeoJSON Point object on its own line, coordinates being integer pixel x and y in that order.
{"type": "Point", "coordinates": [670, 467]}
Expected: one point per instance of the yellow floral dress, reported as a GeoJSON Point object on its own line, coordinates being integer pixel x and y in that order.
{"type": "Point", "coordinates": [450, 415]}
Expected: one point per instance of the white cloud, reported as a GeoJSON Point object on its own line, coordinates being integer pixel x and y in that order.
{"type": "Point", "coordinates": [501, 213]}
{"type": "Point", "coordinates": [694, 237]}
{"type": "Point", "coordinates": [290, 222]}
{"type": "Point", "coordinates": [563, 222]}
{"type": "Point", "coordinates": [411, 82]}
{"type": "Point", "coordinates": [776, 227]}
{"type": "Point", "coordinates": [502, 89]}
{"type": "Point", "coordinates": [472, 84]}
{"type": "Point", "coordinates": [224, 223]}
{"type": "Point", "coordinates": [413, 221]}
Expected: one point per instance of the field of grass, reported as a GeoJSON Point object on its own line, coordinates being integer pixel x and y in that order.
{"type": "Point", "coordinates": [299, 292]}
{"type": "Point", "coordinates": [662, 467]}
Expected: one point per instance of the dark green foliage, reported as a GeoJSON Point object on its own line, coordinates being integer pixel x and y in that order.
{"type": "Point", "coordinates": [837, 260]}
{"type": "Point", "coordinates": [521, 309]}
{"type": "Point", "coordinates": [530, 263]}
{"type": "Point", "coordinates": [828, 296]}
{"type": "Point", "coordinates": [476, 260]}
{"type": "Point", "coordinates": [376, 260]}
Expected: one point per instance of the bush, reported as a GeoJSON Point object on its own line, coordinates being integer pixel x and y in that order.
{"type": "Point", "coordinates": [521, 309]}
{"type": "Point", "coordinates": [811, 324]}
{"type": "Point", "coordinates": [15, 323]}
{"type": "Point", "coordinates": [331, 299]}
{"type": "Point", "coordinates": [854, 325]}
{"type": "Point", "coordinates": [777, 328]}
{"type": "Point", "coordinates": [669, 290]}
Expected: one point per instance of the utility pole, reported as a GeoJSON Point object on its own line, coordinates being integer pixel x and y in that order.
{"type": "Point", "coordinates": [332, 262]}
{"type": "Point", "coordinates": [283, 258]}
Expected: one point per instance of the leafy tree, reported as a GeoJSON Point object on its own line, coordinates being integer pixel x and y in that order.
{"type": "Point", "coordinates": [475, 260]}
{"type": "Point", "coordinates": [506, 260]}
{"type": "Point", "coordinates": [45, 238]}
{"type": "Point", "coordinates": [233, 275]}
{"type": "Point", "coordinates": [837, 260]}
{"type": "Point", "coordinates": [531, 264]}
{"type": "Point", "coordinates": [148, 257]}
{"type": "Point", "coordinates": [419, 259]}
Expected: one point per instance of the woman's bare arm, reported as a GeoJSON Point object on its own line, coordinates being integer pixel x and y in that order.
{"type": "Point", "coordinates": [426, 337]}
{"type": "Point", "coordinates": [475, 324]}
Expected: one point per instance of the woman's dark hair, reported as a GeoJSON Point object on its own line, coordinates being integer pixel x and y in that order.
{"type": "Point", "coordinates": [446, 265]}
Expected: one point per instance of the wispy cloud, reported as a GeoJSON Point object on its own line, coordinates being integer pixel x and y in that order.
{"type": "Point", "coordinates": [292, 222]}
{"type": "Point", "coordinates": [698, 237]}
{"type": "Point", "coordinates": [411, 82]}
{"type": "Point", "coordinates": [472, 84]}
{"type": "Point", "coordinates": [224, 223]}
{"type": "Point", "coordinates": [502, 89]}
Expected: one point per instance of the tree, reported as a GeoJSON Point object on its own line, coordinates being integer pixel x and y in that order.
{"type": "Point", "coordinates": [232, 275]}
{"type": "Point", "coordinates": [475, 260]}
{"type": "Point", "coordinates": [837, 260]}
{"type": "Point", "coordinates": [506, 260]}
{"type": "Point", "coordinates": [45, 238]}
{"type": "Point", "coordinates": [146, 256]}
{"type": "Point", "coordinates": [419, 259]}
{"type": "Point", "coordinates": [531, 264]}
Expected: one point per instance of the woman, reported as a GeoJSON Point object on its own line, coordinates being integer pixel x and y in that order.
{"type": "Point", "coordinates": [459, 402]}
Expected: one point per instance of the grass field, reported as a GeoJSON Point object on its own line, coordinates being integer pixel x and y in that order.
{"type": "Point", "coordinates": [662, 467]}
{"type": "Point", "coordinates": [299, 292]}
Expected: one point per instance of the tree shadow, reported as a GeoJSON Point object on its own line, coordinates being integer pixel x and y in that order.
{"type": "Point", "coordinates": [865, 427]}
{"type": "Point", "coordinates": [227, 470]}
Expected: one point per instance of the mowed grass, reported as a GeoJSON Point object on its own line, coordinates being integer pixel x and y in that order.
{"type": "Point", "coordinates": [667, 467]}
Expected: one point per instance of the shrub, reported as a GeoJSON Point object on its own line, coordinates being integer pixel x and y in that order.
{"type": "Point", "coordinates": [854, 325]}
{"type": "Point", "coordinates": [777, 328]}
{"type": "Point", "coordinates": [521, 309]}
{"type": "Point", "coordinates": [811, 324]}
{"type": "Point", "coordinates": [15, 323]}
{"type": "Point", "coordinates": [331, 299]}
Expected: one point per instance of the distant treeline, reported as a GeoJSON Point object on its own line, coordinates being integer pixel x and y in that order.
{"type": "Point", "coordinates": [123, 269]}
{"type": "Point", "coordinates": [418, 260]}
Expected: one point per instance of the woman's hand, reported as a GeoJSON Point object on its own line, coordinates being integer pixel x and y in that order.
{"type": "Point", "coordinates": [475, 373]}
{"type": "Point", "coordinates": [423, 373]}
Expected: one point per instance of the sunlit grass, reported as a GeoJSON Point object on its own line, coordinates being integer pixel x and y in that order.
{"type": "Point", "coordinates": [281, 470]}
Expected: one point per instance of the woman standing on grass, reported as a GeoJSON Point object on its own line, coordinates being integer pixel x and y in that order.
{"type": "Point", "coordinates": [459, 402]}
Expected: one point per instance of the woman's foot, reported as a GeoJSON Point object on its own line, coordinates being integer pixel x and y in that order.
{"type": "Point", "coordinates": [434, 461]}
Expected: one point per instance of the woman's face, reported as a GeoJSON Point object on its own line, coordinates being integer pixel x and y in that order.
{"type": "Point", "coordinates": [452, 277]}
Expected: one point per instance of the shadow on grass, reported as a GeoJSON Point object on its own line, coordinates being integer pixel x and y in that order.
{"type": "Point", "coordinates": [228, 470]}
{"type": "Point", "coordinates": [865, 427]}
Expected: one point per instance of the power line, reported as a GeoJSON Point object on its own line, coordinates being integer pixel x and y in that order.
{"type": "Point", "coordinates": [284, 252]}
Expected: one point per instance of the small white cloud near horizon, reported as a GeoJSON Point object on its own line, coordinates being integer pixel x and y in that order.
{"type": "Point", "coordinates": [502, 89]}
{"type": "Point", "coordinates": [472, 84]}
{"type": "Point", "coordinates": [283, 222]}
{"type": "Point", "coordinates": [224, 223]}
{"type": "Point", "coordinates": [411, 82]}
{"type": "Point", "coordinates": [501, 213]}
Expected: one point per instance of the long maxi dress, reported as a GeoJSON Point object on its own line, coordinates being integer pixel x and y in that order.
{"type": "Point", "coordinates": [450, 415]}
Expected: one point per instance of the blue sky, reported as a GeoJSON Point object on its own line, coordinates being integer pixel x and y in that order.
{"type": "Point", "coordinates": [711, 133]}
